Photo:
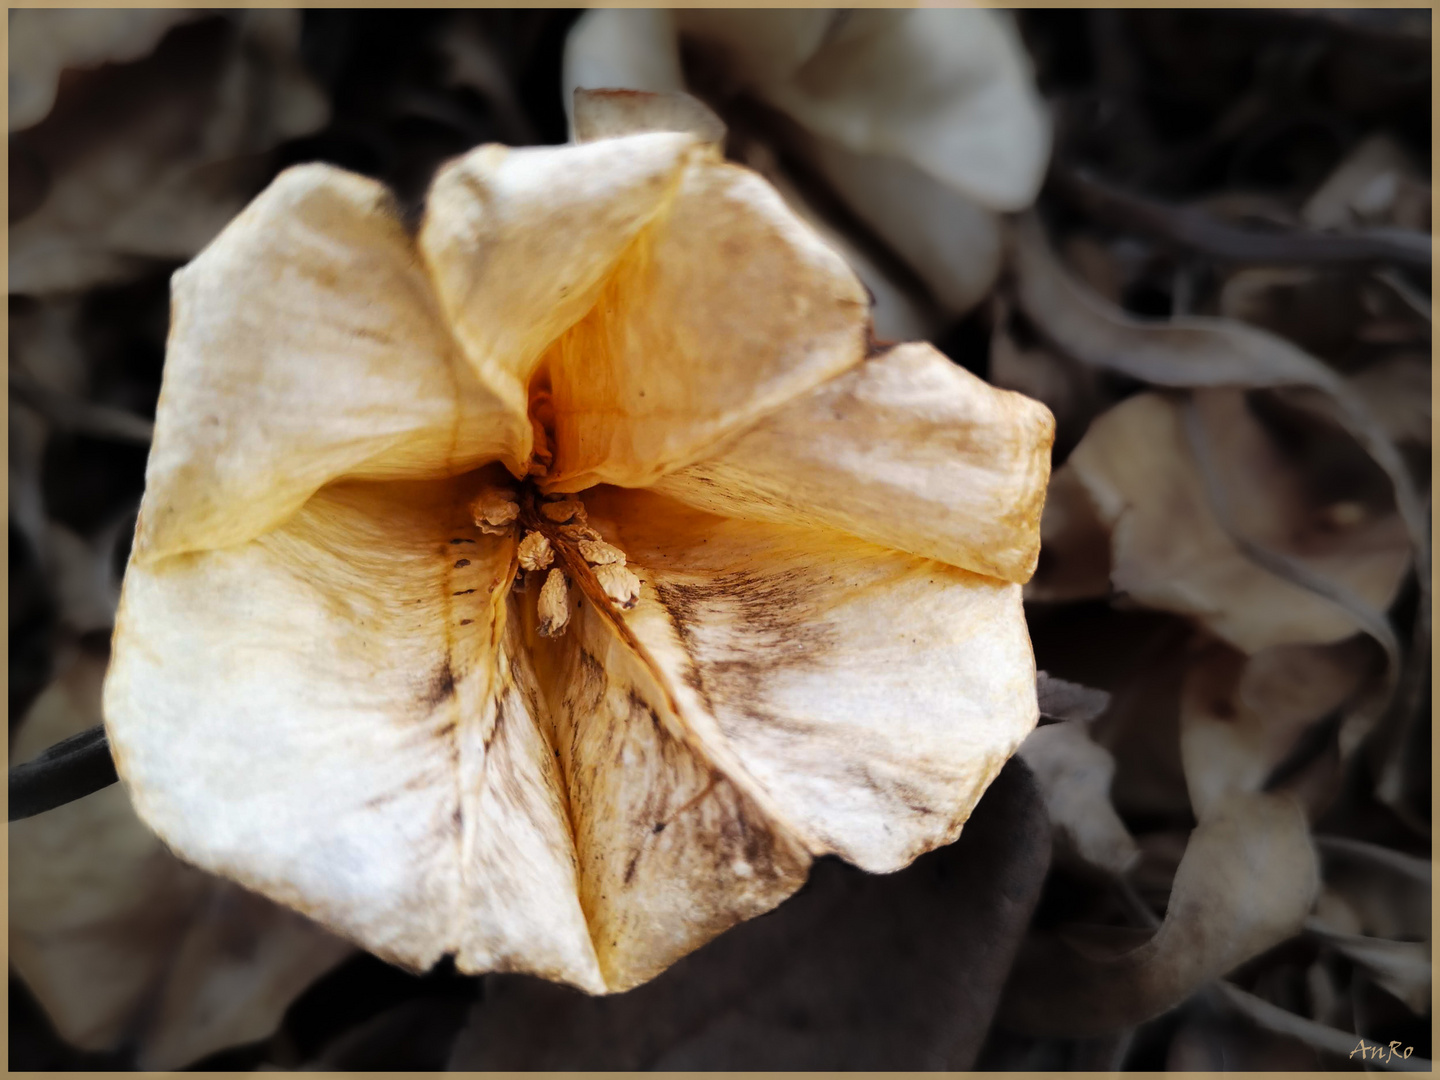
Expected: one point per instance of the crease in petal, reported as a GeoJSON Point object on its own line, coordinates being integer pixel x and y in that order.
{"type": "Point", "coordinates": [724, 309]}
{"type": "Point", "coordinates": [671, 851]}
{"type": "Point", "coordinates": [865, 696]}
{"type": "Point", "coordinates": [319, 715]}
{"type": "Point", "coordinates": [908, 450]}
{"type": "Point", "coordinates": [306, 346]}
{"type": "Point", "coordinates": [520, 242]}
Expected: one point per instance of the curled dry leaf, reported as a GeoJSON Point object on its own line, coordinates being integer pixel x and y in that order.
{"type": "Point", "coordinates": [325, 685]}
{"type": "Point", "coordinates": [1401, 967]}
{"type": "Point", "coordinates": [124, 944]}
{"type": "Point", "coordinates": [926, 123]}
{"type": "Point", "coordinates": [1075, 774]}
{"type": "Point", "coordinates": [1169, 551]}
{"type": "Point", "coordinates": [897, 971]}
{"type": "Point", "coordinates": [1240, 717]}
{"type": "Point", "coordinates": [45, 43]}
{"type": "Point", "coordinates": [1064, 700]}
{"type": "Point", "coordinates": [1248, 878]}
{"type": "Point", "coordinates": [148, 160]}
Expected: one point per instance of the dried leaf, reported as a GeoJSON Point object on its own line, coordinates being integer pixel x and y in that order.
{"type": "Point", "coordinates": [1062, 700]}
{"type": "Point", "coordinates": [1075, 774]}
{"type": "Point", "coordinates": [1246, 883]}
{"type": "Point", "coordinates": [898, 971]}
{"type": "Point", "coordinates": [148, 160]}
{"type": "Point", "coordinates": [1387, 889]}
{"type": "Point", "coordinates": [1376, 183]}
{"type": "Point", "coordinates": [44, 43]}
{"type": "Point", "coordinates": [1241, 717]}
{"type": "Point", "coordinates": [1342, 1043]}
{"type": "Point", "coordinates": [1169, 551]}
{"type": "Point", "coordinates": [1401, 967]}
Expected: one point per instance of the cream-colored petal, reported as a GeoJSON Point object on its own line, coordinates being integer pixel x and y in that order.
{"type": "Point", "coordinates": [908, 450]}
{"type": "Point", "coordinates": [1168, 550]}
{"type": "Point", "coordinates": [305, 346]}
{"type": "Point", "coordinates": [726, 308]}
{"type": "Point", "coordinates": [610, 114]}
{"type": "Point", "coordinates": [326, 715]}
{"type": "Point", "coordinates": [671, 852]}
{"type": "Point", "coordinates": [123, 943]}
{"type": "Point", "coordinates": [948, 90]}
{"type": "Point", "coordinates": [864, 697]}
{"type": "Point", "coordinates": [520, 242]}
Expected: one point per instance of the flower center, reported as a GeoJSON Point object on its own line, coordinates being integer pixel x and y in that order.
{"type": "Point", "coordinates": [557, 541]}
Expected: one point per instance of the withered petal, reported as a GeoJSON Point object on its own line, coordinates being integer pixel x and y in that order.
{"type": "Point", "coordinates": [909, 450]}
{"type": "Point", "coordinates": [724, 309]}
{"type": "Point", "coordinates": [671, 852]}
{"type": "Point", "coordinates": [306, 346]}
{"type": "Point", "coordinates": [863, 697]}
{"type": "Point", "coordinates": [124, 944]}
{"type": "Point", "coordinates": [331, 715]}
{"type": "Point", "coordinates": [520, 242]}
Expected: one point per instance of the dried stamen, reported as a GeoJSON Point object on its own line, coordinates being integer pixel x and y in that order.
{"type": "Point", "coordinates": [535, 551]}
{"type": "Point", "coordinates": [553, 606]}
{"type": "Point", "coordinates": [563, 510]}
{"type": "Point", "coordinates": [495, 510]}
{"type": "Point", "coordinates": [599, 553]}
{"type": "Point", "coordinates": [620, 585]}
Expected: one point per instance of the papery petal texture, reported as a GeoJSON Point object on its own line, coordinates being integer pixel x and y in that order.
{"type": "Point", "coordinates": [865, 697]}
{"type": "Point", "coordinates": [306, 346]}
{"type": "Point", "coordinates": [337, 731]}
{"type": "Point", "coordinates": [908, 450]}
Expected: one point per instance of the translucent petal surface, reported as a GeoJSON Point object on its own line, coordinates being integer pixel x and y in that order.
{"type": "Point", "coordinates": [343, 730]}
{"type": "Point", "coordinates": [724, 309]}
{"type": "Point", "coordinates": [908, 450]}
{"type": "Point", "coordinates": [864, 696]}
{"type": "Point", "coordinates": [305, 346]}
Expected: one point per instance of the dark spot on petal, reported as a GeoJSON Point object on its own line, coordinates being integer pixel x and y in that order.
{"type": "Point", "coordinates": [461, 562]}
{"type": "Point", "coordinates": [659, 827]}
{"type": "Point", "coordinates": [441, 686]}
{"type": "Point", "coordinates": [463, 592]}
{"type": "Point", "coordinates": [461, 540]}
{"type": "Point", "coordinates": [466, 622]}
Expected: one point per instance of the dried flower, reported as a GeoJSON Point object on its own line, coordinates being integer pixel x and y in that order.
{"type": "Point", "coordinates": [324, 683]}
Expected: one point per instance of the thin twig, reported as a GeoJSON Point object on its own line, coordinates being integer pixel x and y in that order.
{"type": "Point", "coordinates": [1191, 230]}
{"type": "Point", "coordinates": [71, 769]}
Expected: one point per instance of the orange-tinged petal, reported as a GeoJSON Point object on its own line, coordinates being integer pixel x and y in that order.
{"type": "Point", "coordinates": [306, 346]}
{"type": "Point", "coordinates": [520, 242]}
{"type": "Point", "coordinates": [330, 715]}
{"type": "Point", "coordinates": [909, 450]}
{"type": "Point", "coordinates": [862, 696]}
{"type": "Point", "coordinates": [724, 309]}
